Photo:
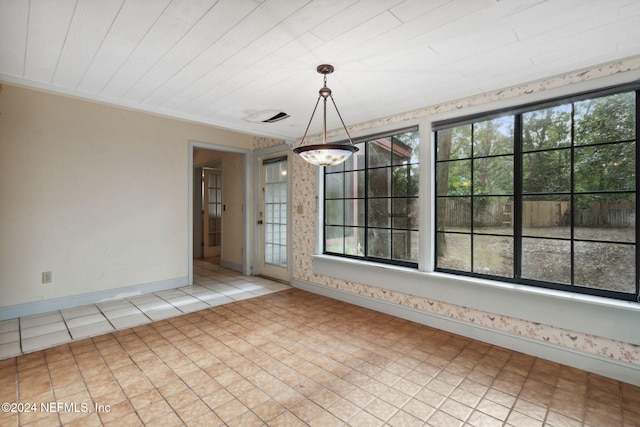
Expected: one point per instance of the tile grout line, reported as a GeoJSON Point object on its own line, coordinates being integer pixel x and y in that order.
{"type": "Point", "coordinates": [105, 316]}
{"type": "Point", "coordinates": [20, 337]}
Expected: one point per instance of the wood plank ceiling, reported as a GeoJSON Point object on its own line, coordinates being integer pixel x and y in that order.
{"type": "Point", "coordinates": [229, 63]}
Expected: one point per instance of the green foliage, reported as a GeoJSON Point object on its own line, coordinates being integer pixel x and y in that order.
{"type": "Point", "coordinates": [604, 150]}
{"type": "Point", "coordinates": [493, 137]}
{"type": "Point", "coordinates": [605, 119]}
{"type": "Point", "coordinates": [459, 185]}
{"type": "Point", "coordinates": [546, 129]}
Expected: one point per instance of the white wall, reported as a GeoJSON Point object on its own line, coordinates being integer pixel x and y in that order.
{"type": "Point", "coordinates": [98, 195]}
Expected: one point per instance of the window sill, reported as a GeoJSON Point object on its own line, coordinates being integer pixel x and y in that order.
{"type": "Point", "coordinates": [576, 312]}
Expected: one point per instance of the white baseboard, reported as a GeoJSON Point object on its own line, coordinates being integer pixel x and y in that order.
{"type": "Point", "coordinates": [62, 303]}
{"type": "Point", "coordinates": [231, 265]}
{"type": "Point", "coordinates": [600, 365]}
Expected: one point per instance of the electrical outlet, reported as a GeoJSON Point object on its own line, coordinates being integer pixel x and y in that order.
{"type": "Point", "coordinates": [47, 277]}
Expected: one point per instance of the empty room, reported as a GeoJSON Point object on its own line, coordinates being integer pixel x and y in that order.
{"type": "Point", "coordinates": [318, 212]}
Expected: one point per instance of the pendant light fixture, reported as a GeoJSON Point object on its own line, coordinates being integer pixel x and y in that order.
{"type": "Point", "coordinates": [325, 154]}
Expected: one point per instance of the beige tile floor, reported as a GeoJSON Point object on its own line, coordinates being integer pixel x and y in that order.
{"type": "Point", "coordinates": [213, 285]}
{"type": "Point", "coordinates": [292, 358]}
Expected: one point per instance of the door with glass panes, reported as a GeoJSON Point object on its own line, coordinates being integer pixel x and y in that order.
{"type": "Point", "coordinates": [273, 217]}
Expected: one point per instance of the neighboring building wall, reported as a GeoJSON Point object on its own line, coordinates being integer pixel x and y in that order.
{"type": "Point", "coordinates": [305, 243]}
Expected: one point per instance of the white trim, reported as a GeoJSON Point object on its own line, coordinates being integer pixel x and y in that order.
{"type": "Point", "coordinates": [426, 188]}
{"type": "Point", "coordinates": [62, 303]}
{"type": "Point", "coordinates": [231, 266]}
{"type": "Point", "coordinates": [611, 368]}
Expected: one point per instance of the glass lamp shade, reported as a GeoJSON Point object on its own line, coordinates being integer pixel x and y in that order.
{"type": "Point", "coordinates": [325, 154]}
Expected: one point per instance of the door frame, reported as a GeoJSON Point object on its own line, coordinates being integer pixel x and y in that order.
{"type": "Point", "coordinates": [258, 156]}
{"type": "Point", "coordinates": [246, 254]}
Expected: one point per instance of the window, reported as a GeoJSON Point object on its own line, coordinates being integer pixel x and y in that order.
{"type": "Point", "coordinates": [371, 201]}
{"type": "Point", "coordinates": [544, 195]}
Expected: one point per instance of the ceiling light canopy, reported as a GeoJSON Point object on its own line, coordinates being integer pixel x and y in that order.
{"type": "Point", "coordinates": [325, 154]}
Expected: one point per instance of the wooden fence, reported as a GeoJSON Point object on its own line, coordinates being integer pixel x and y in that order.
{"type": "Point", "coordinates": [457, 213]}
{"type": "Point", "coordinates": [611, 215]}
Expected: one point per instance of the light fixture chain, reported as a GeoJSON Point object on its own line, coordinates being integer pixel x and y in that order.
{"type": "Point", "coordinates": [310, 120]}
{"type": "Point", "coordinates": [324, 121]}
{"type": "Point", "coordinates": [341, 121]}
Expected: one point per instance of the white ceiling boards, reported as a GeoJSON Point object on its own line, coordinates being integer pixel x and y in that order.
{"type": "Point", "coordinates": [221, 61]}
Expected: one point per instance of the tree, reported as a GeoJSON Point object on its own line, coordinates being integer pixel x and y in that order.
{"type": "Point", "coordinates": [608, 167]}
{"type": "Point", "coordinates": [444, 144]}
{"type": "Point", "coordinates": [546, 142]}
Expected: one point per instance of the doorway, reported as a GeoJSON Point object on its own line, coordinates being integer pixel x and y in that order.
{"type": "Point", "coordinates": [218, 197]}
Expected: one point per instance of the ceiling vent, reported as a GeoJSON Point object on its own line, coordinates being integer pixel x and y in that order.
{"type": "Point", "coordinates": [276, 118]}
{"type": "Point", "coordinates": [266, 116]}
